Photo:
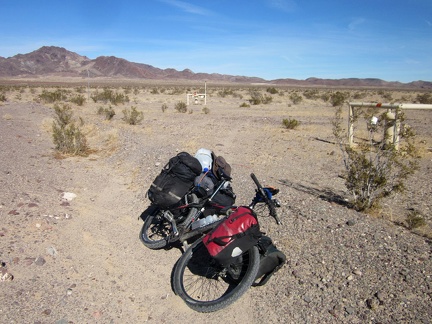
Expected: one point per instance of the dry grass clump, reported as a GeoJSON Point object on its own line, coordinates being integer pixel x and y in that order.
{"type": "Point", "coordinates": [67, 136]}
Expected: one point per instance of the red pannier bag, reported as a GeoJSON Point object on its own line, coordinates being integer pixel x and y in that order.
{"type": "Point", "coordinates": [235, 235]}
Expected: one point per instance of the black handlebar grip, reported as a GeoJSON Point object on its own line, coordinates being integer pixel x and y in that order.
{"type": "Point", "coordinates": [268, 201]}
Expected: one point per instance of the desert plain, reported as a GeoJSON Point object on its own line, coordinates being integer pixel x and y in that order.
{"type": "Point", "coordinates": [69, 242]}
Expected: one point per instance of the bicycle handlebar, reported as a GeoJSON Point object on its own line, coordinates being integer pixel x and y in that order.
{"type": "Point", "coordinates": [269, 202]}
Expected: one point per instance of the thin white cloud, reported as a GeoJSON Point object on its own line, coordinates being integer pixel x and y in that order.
{"type": "Point", "coordinates": [187, 7]}
{"type": "Point", "coordinates": [285, 5]}
{"type": "Point", "coordinates": [356, 22]}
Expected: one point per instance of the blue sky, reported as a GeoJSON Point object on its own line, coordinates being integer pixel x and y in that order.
{"type": "Point", "coordinates": [271, 39]}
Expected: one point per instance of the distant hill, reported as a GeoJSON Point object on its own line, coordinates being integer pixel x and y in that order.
{"type": "Point", "coordinates": [57, 61]}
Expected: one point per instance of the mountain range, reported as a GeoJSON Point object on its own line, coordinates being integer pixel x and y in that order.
{"type": "Point", "coordinates": [59, 62]}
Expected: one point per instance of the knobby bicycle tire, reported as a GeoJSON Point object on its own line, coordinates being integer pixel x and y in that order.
{"type": "Point", "coordinates": [155, 231]}
{"type": "Point", "coordinates": [205, 286]}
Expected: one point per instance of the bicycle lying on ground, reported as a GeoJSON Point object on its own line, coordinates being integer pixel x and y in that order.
{"type": "Point", "coordinates": [163, 228]}
{"type": "Point", "coordinates": [206, 285]}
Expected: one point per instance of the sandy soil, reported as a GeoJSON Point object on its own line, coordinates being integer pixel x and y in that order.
{"type": "Point", "coordinates": [81, 261]}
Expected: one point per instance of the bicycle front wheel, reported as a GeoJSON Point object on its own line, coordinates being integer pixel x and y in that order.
{"type": "Point", "coordinates": [205, 285]}
{"type": "Point", "coordinates": [155, 231]}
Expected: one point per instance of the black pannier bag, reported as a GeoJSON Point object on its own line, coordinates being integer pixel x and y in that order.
{"type": "Point", "coordinates": [174, 181]}
{"type": "Point", "coordinates": [225, 197]}
{"type": "Point", "coordinates": [271, 260]}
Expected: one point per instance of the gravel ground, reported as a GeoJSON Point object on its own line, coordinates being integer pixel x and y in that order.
{"type": "Point", "coordinates": [79, 260]}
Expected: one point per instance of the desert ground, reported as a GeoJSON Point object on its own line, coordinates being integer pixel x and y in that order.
{"type": "Point", "coordinates": [69, 242]}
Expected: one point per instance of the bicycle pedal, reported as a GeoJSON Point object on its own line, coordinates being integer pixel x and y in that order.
{"type": "Point", "coordinates": [276, 203]}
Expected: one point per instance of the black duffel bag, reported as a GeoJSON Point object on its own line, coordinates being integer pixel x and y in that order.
{"type": "Point", "coordinates": [174, 181]}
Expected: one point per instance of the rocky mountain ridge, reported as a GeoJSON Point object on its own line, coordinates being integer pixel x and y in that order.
{"type": "Point", "coordinates": [57, 61]}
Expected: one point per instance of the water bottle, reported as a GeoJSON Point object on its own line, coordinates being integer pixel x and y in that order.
{"type": "Point", "coordinates": [205, 221]}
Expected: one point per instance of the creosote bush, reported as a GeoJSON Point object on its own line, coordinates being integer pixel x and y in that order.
{"type": "Point", "coordinates": [53, 96]}
{"type": "Point", "coordinates": [338, 98]}
{"type": "Point", "coordinates": [258, 98]}
{"type": "Point", "coordinates": [206, 110]}
{"type": "Point", "coordinates": [78, 100]}
{"type": "Point", "coordinates": [108, 95]}
{"type": "Point", "coordinates": [295, 98]}
{"type": "Point", "coordinates": [109, 112]}
{"type": "Point", "coordinates": [67, 136]}
{"type": "Point", "coordinates": [425, 98]}
{"type": "Point", "coordinates": [181, 107]}
{"type": "Point", "coordinates": [376, 167]}
{"type": "Point", "coordinates": [164, 107]}
{"type": "Point", "coordinates": [415, 220]}
{"type": "Point", "coordinates": [132, 116]}
{"type": "Point", "coordinates": [290, 123]}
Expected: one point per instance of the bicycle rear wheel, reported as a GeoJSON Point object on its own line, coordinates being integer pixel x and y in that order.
{"type": "Point", "coordinates": [206, 286]}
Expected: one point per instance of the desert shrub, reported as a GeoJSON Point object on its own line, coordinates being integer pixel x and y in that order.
{"type": "Point", "coordinates": [53, 96]}
{"type": "Point", "coordinates": [177, 91]}
{"type": "Point", "coordinates": [376, 168]}
{"type": "Point", "coordinates": [387, 96]}
{"type": "Point", "coordinates": [67, 136]}
{"type": "Point", "coordinates": [295, 98]}
{"type": "Point", "coordinates": [290, 123]}
{"type": "Point", "coordinates": [359, 95]}
{"type": "Point", "coordinates": [258, 98]}
{"type": "Point", "coordinates": [79, 89]}
{"type": "Point", "coordinates": [311, 94]}
{"type": "Point", "coordinates": [272, 90]}
{"type": "Point", "coordinates": [78, 100]}
{"type": "Point", "coordinates": [255, 97]}
{"type": "Point", "coordinates": [245, 105]}
{"type": "Point", "coordinates": [267, 99]}
{"type": "Point", "coordinates": [2, 97]}
{"type": "Point", "coordinates": [325, 96]}
{"type": "Point", "coordinates": [425, 98]}
{"type": "Point", "coordinates": [206, 110]}
{"type": "Point", "coordinates": [154, 91]}
{"type": "Point", "coordinates": [108, 95]}
{"type": "Point", "coordinates": [338, 98]}
{"type": "Point", "coordinates": [181, 107]}
{"type": "Point", "coordinates": [415, 220]}
{"type": "Point", "coordinates": [164, 107]}
{"type": "Point", "coordinates": [108, 113]}
{"type": "Point", "coordinates": [225, 92]}
{"type": "Point", "coordinates": [132, 116]}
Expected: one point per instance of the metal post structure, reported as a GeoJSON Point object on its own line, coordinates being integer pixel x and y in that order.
{"type": "Point", "coordinates": [198, 95]}
{"type": "Point", "coordinates": [396, 107]}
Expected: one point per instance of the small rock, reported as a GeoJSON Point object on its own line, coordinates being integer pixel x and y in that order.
{"type": "Point", "coordinates": [372, 303]}
{"type": "Point", "coordinates": [357, 272]}
{"type": "Point", "coordinates": [52, 251]}
{"type": "Point", "coordinates": [307, 299]}
{"type": "Point", "coordinates": [350, 222]}
{"type": "Point", "coordinates": [32, 205]}
{"type": "Point", "coordinates": [40, 261]}
{"type": "Point", "coordinates": [69, 196]}
{"type": "Point", "coordinates": [46, 312]}
{"type": "Point", "coordinates": [350, 310]}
